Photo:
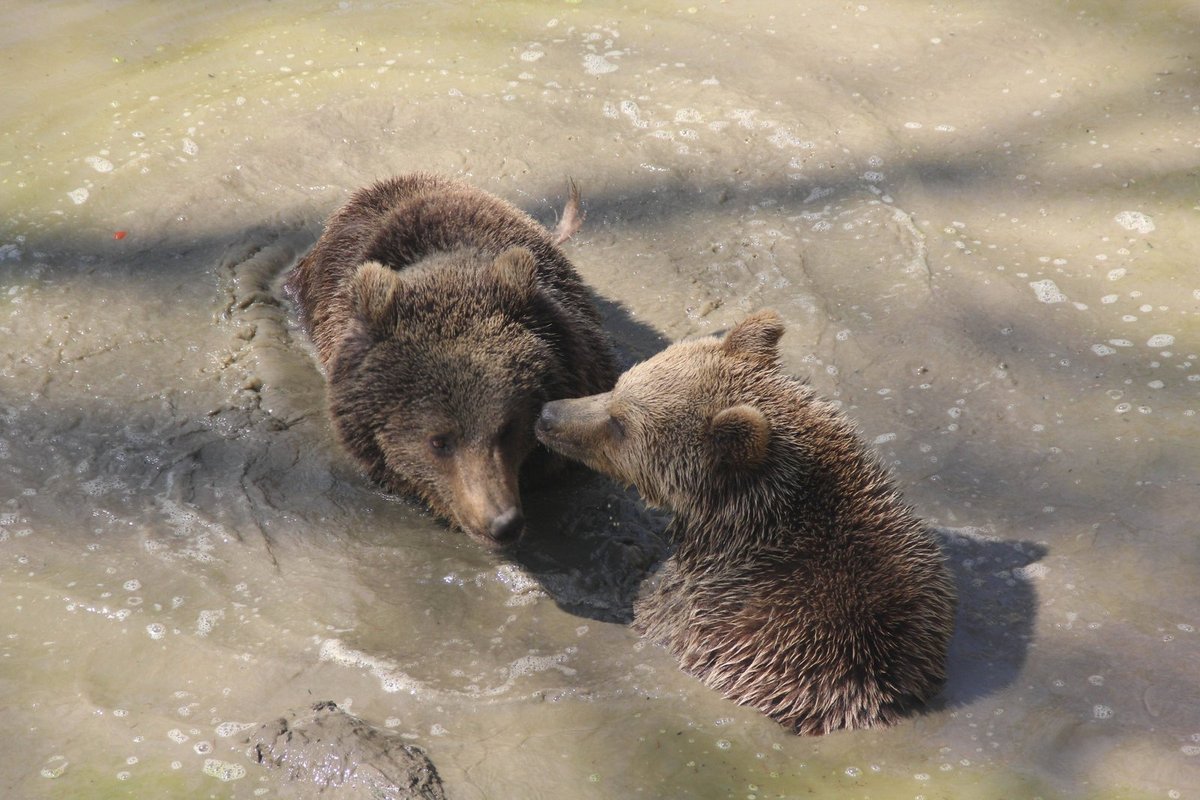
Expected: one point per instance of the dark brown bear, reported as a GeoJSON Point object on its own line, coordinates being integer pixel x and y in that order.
{"type": "Point", "coordinates": [801, 584]}
{"type": "Point", "coordinates": [445, 318]}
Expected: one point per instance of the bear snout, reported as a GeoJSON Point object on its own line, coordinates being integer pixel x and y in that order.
{"type": "Point", "coordinates": [507, 526]}
{"type": "Point", "coordinates": [548, 420]}
{"type": "Point", "coordinates": [557, 427]}
{"type": "Point", "coordinates": [573, 427]}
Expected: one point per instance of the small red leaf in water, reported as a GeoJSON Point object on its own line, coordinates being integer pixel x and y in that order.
{"type": "Point", "coordinates": [119, 235]}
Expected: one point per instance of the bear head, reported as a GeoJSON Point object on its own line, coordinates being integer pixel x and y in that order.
{"type": "Point", "coordinates": [438, 379]}
{"type": "Point", "coordinates": [685, 425]}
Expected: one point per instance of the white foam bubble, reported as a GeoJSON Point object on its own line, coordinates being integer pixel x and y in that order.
{"type": "Point", "coordinates": [1102, 350]}
{"type": "Point", "coordinates": [1102, 712]}
{"type": "Point", "coordinates": [1047, 291]}
{"type": "Point", "coordinates": [55, 766]}
{"type": "Point", "coordinates": [532, 55]}
{"type": "Point", "coordinates": [392, 679]}
{"type": "Point", "coordinates": [884, 438]}
{"type": "Point", "coordinates": [177, 736]}
{"type": "Point", "coordinates": [227, 729]}
{"type": "Point", "coordinates": [745, 118]}
{"type": "Point", "coordinates": [1134, 221]}
{"type": "Point", "coordinates": [78, 196]}
{"type": "Point", "coordinates": [784, 138]}
{"type": "Point", "coordinates": [190, 147]}
{"type": "Point", "coordinates": [156, 630]}
{"type": "Point", "coordinates": [1032, 571]}
{"type": "Point", "coordinates": [527, 665]}
{"type": "Point", "coordinates": [634, 112]}
{"type": "Point", "coordinates": [208, 620]}
{"type": "Point", "coordinates": [1160, 340]}
{"type": "Point", "coordinates": [516, 579]}
{"type": "Point", "coordinates": [223, 770]}
{"type": "Point", "coordinates": [595, 64]}
{"type": "Point", "coordinates": [99, 164]}
{"type": "Point", "coordinates": [1116, 274]}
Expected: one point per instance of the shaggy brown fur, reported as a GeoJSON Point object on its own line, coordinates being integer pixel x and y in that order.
{"type": "Point", "coordinates": [801, 584]}
{"type": "Point", "coordinates": [445, 318]}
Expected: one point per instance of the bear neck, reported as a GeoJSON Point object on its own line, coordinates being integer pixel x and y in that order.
{"type": "Point", "coordinates": [733, 513]}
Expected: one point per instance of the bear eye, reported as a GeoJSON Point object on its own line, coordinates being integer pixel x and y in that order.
{"type": "Point", "coordinates": [441, 445]}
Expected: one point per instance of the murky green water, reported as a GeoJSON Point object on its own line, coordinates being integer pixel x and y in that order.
{"type": "Point", "coordinates": [979, 221]}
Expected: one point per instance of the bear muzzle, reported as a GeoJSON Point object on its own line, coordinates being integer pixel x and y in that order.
{"type": "Point", "coordinates": [507, 526]}
{"type": "Point", "coordinates": [572, 427]}
{"type": "Point", "coordinates": [486, 499]}
{"type": "Point", "coordinates": [496, 525]}
{"type": "Point", "coordinates": [548, 420]}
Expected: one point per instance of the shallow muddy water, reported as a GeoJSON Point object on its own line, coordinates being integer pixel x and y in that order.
{"type": "Point", "coordinates": [979, 221]}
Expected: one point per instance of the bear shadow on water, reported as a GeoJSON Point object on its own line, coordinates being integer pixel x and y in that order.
{"type": "Point", "coordinates": [997, 611]}
{"type": "Point", "coordinates": [589, 542]}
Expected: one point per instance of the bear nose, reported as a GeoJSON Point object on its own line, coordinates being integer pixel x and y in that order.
{"type": "Point", "coordinates": [507, 526]}
{"type": "Point", "coordinates": [548, 418]}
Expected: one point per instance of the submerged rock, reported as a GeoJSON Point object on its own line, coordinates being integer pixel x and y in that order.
{"type": "Point", "coordinates": [325, 751]}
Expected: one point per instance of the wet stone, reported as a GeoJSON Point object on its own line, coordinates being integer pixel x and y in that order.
{"type": "Point", "coordinates": [324, 748]}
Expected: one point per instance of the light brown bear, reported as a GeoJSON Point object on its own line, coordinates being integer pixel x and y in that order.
{"type": "Point", "coordinates": [445, 318]}
{"type": "Point", "coordinates": [800, 584]}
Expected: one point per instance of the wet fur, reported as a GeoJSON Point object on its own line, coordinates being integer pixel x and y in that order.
{"type": "Point", "coordinates": [801, 584]}
{"type": "Point", "coordinates": [432, 302]}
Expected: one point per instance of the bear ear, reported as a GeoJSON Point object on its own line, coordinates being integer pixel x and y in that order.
{"type": "Point", "coordinates": [740, 435]}
{"type": "Point", "coordinates": [516, 269]}
{"type": "Point", "coordinates": [756, 337]}
{"type": "Point", "coordinates": [373, 293]}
